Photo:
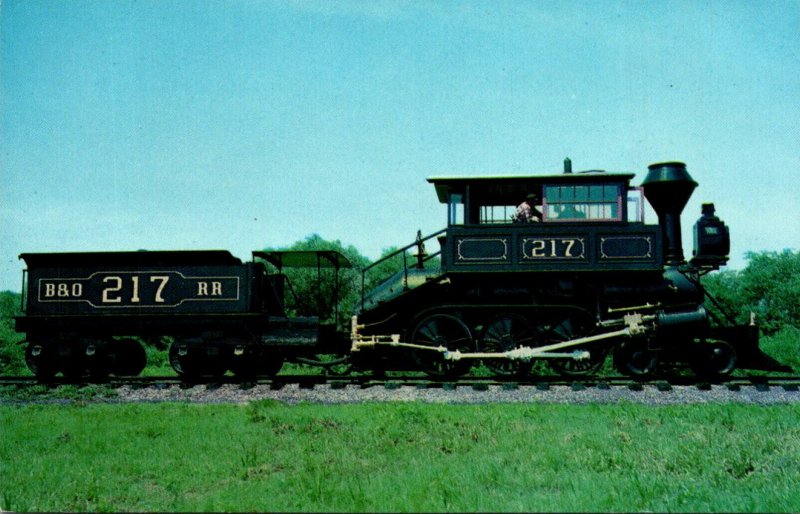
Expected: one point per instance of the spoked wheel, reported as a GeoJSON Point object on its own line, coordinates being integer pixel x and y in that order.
{"type": "Point", "coordinates": [635, 359]}
{"type": "Point", "coordinates": [42, 359]}
{"type": "Point", "coordinates": [508, 332]}
{"type": "Point", "coordinates": [446, 331]}
{"type": "Point", "coordinates": [715, 360]}
{"type": "Point", "coordinates": [569, 328]}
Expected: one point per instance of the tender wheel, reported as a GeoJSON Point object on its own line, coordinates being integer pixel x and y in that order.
{"type": "Point", "coordinates": [186, 360]}
{"type": "Point", "coordinates": [635, 359]}
{"type": "Point", "coordinates": [254, 361]}
{"type": "Point", "coordinates": [715, 360]}
{"type": "Point", "coordinates": [572, 328]}
{"type": "Point", "coordinates": [216, 360]}
{"type": "Point", "coordinates": [73, 364]}
{"type": "Point", "coordinates": [195, 360]}
{"type": "Point", "coordinates": [129, 358]}
{"type": "Point", "coordinates": [180, 360]}
{"type": "Point", "coordinates": [441, 330]}
{"type": "Point", "coordinates": [246, 365]}
{"type": "Point", "coordinates": [96, 361]}
{"type": "Point", "coordinates": [507, 332]}
{"type": "Point", "coordinates": [42, 360]}
{"type": "Point", "coordinates": [272, 364]}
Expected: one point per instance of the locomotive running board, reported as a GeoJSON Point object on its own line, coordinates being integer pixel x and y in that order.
{"type": "Point", "coordinates": [634, 326]}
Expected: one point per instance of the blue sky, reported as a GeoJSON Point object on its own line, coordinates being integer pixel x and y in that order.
{"type": "Point", "coordinates": [161, 124]}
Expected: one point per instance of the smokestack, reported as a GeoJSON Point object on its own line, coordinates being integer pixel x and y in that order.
{"type": "Point", "coordinates": [668, 187]}
{"type": "Point", "coordinates": [567, 165]}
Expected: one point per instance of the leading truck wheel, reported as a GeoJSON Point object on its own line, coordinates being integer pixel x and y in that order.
{"type": "Point", "coordinates": [41, 359]}
{"type": "Point", "coordinates": [441, 331]}
{"type": "Point", "coordinates": [715, 360]}
{"type": "Point", "coordinates": [635, 359]}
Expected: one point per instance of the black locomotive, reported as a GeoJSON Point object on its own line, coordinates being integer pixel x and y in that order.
{"type": "Point", "coordinates": [582, 281]}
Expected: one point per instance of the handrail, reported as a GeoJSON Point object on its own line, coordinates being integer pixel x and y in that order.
{"type": "Point", "coordinates": [407, 247]}
{"type": "Point", "coordinates": [421, 258]}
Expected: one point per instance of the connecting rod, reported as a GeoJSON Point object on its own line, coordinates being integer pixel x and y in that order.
{"type": "Point", "coordinates": [633, 326]}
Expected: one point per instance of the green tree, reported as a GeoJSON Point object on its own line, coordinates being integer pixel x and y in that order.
{"type": "Point", "coordinates": [769, 286]}
{"type": "Point", "coordinates": [12, 354]}
{"type": "Point", "coordinates": [310, 291]}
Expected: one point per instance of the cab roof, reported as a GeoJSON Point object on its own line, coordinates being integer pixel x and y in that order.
{"type": "Point", "coordinates": [512, 188]}
{"type": "Point", "coordinates": [304, 259]}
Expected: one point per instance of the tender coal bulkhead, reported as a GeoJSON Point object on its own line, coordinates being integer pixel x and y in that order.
{"type": "Point", "coordinates": [560, 269]}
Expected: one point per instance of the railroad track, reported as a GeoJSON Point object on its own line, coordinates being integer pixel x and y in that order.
{"type": "Point", "coordinates": [543, 383]}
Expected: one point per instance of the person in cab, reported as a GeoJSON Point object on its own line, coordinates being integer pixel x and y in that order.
{"type": "Point", "coordinates": [527, 211]}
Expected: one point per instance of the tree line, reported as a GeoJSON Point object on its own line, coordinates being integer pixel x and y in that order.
{"type": "Point", "coordinates": [769, 287]}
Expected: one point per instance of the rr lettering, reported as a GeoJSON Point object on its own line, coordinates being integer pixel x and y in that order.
{"type": "Point", "coordinates": [216, 288]}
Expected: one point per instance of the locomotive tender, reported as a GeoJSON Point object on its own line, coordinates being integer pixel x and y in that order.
{"type": "Point", "coordinates": [587, 281]}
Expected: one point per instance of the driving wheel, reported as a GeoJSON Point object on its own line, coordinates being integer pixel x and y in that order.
{"type": "Point", "coordinates": [445, 331]}
{"type": "Point", "coordinates": [508, 332]}
{"type": "Point", "coordinates": [566, 329]}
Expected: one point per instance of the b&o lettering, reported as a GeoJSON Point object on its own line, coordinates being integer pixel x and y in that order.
{"type": "Point", "coordinates": [63, 290]}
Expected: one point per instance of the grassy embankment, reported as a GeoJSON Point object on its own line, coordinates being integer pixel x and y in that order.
{"type": "Point", "coordinates": [399, 457]}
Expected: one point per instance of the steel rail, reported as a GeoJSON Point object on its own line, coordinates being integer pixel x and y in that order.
{"type": "Point", "coordinates": [791, 383]}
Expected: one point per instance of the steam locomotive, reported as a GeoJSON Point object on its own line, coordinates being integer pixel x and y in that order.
{"type": "Point", "coordinates": [585, 282]}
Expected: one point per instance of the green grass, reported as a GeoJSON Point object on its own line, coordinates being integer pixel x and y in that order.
{"type": "Point", "coordinates": [784, 346]}
{"type": "Point", "coordinates": [399, 457]}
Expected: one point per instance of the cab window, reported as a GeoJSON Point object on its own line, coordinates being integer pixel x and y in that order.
{"type": "Point", "coordinates": [455, 209]}
{"type": "Point", "coordinates": [496, 214]}
{"type": "Point", "coordinates": [635, 205]}
{"type": "Point", "coordinates": [582, 202]}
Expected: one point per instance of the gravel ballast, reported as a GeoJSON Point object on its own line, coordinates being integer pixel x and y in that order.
{"type": "Point", "coordinates": [325, 394]}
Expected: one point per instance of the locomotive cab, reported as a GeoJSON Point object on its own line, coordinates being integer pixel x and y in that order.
{"type": "Point", "coordinates": [590, 221]}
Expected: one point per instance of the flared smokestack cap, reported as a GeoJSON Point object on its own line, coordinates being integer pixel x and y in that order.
{"type": "Point", "coordinates": [668, 187]}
